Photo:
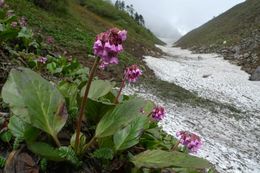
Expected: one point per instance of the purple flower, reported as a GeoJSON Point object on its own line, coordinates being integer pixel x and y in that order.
{"type": "Point", "coordinates": [2, 3]}
{"type": "Point", "coordinates": [23, 21]}
{"type": "Point", "coordinates": [158, 113]}
{"type": "Point", "coordinates": [42, 60]}
{"type": "Point", "coordinates": [108, 45]}
{"type": "Point", "coordinates": [50, 40]}
{"type": "Point", "coordinates": [103, 64]}
{"type": "Point", "coordinates": [14, 24]}
{"type": "Point", "coordinates": [190, 140]}
{"type": "Point", "coordinates": [123, 35]}
{"type": "Point", "coordinates": [132, 73]}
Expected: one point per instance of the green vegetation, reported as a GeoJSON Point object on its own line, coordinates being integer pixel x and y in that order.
{"type": "Point", "coordinates": [75, 30]}
{"type": "Point", "coordinates": [231, 26]}
{"type": "Point", "coordinates": [57, 6]}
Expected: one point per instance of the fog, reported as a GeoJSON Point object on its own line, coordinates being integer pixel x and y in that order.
{"type": "Point", "coordinates": [173, 18]}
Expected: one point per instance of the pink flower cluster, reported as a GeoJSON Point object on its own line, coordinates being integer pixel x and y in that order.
{"type": "Point", "coordinates": [14, 24]}
{"type": "Point", "coordinates": [132, 73]}
{"type": "Point", "coordinates": [108, 45]}
{"type": "Point", "coordinates": [190, 140]}
{"type": "Point", "coordinates": [23, 21]}
{"type": "Point", "coordinates": [42, 60]}
{"type": "Point", "coordinates": [50, 40]}
{"type": "Point", "coordinates": [158, 113]}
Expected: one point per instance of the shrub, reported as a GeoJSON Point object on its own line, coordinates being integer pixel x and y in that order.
{"type": "Point", "coordinates": [82, 2]}
{"type": "Point", "coordinates": [56, 6]}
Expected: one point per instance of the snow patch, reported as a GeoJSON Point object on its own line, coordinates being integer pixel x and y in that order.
{"type": "Point", "coordinates": [209, 75]}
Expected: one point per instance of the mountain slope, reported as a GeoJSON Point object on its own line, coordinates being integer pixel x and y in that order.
{"type": "Point", "coordinates": [74, 28]}
{"type": "Point", "coordinates": [230, 26]}
{"type": "Point", "coordinates": [235, 34]}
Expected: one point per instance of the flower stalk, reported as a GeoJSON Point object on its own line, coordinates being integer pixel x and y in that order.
{"type": "Point", "coordinates": [84, 101]}
{"type": "Point", "coordinates": [175, 146]}
{"type": "Point", "coordinates": [120, 91]}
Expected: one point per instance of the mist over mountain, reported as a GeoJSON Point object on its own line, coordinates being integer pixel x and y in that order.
{"type": "Point", "coordinates": [165, 30]}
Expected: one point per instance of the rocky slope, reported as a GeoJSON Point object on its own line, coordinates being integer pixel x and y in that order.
{"type": "Point", "coordinates": [235, 34]}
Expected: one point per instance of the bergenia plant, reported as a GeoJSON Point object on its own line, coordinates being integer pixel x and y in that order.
{"type": "Point", "coordinates": [131, 75]}
{"type": "Point", "coordinates": [106, 49]}
{"type": "Point", "coordinates": [190, 140]}
{"type": "Point", "coordinates": [108, 45]}
{"type": "Point", "coordinates": [158, 113]}
{"type": "Point", "coordinates": [42, 60]}
{"type": "Point", "coordinates": [50, 40]}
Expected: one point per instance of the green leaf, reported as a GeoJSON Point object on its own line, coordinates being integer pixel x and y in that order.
{"type": "Point", "coordinates": [156, 138]}
{"type": "Point", "coordinates": [35, 100]}
{"type": "Point", "coordinates": [22, 130]}
{"type": "Point", "coordinates": [6, 136]}
{"type": "Point", "coordinates": [120, 117]}
{"type": "Point", "coordinates": [104, 153]}
{"type": "Point", "coordinates": [46, 151]}
{"type": "Point", "coordinates": [164, 159]}
{"type": "Point", "coordinates": [69, 154]}
{"type": "Point", "coordinates": [2, 161]}
{"type": "Point", "coordinates": [148, 108]}
{"type": "Point", "coordinates": [25, 33]}
{"type": "Point", "coordinates": [95, 110]}
{"type": "Point", "coordinates": [55, 154]}
{"type": "Point", "coordinates": [52, 67]}
{"type": "Point", "coordinates": [106, 142]}
{"type": "Point", "coordinates": [130, 135]}
{"type": "Point", "coordinates": [70, 92]}
{"type": "Point", "coordinates": [82, 143]}
{"type": "Point", "coordinates": [8, 34]}
{"type": "Point", "coordinates": [98, 89]}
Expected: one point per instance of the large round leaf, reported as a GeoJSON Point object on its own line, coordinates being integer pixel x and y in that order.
{"type": "Point", "coordinates": [165, 159]}
{"type": "Point", "coordinates": [96, 109]}
{"type": "Point", "coordinates": [98, 89]}
{"type": "Point", "coordinates": [35, 100]}
{"type": "Point", "coordinates": [130, 135]}
{"type": "Point", "coordinates": [120, 117]}
{"type": "Point", "coordinates": [22, 130]}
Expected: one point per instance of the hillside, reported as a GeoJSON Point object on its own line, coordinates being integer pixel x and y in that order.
{"type": "Point", "coordinates": [235, 34]}
{"type": "Point", "coordinates": [75, 23]}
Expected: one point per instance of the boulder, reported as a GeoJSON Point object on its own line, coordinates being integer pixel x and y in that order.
{"type": "Point", "coordinates": [256, 75]}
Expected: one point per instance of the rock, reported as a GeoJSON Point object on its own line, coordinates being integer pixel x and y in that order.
{"type": "Point", "coordinates": [200, 58]}
{"type": "Point", "coordinates": [206, 75]}
{"type": "Point", "coordinates": [256, 75]}
{"type": "Point", "coordinates": [236, 49]}
{"type": "Point", "coordinates": [20, 162]}
{"type": "Point", "coordinates": [246, 55]}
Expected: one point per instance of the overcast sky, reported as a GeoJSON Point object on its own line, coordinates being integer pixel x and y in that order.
{"type": "Point", "coordinates": [168, 17]}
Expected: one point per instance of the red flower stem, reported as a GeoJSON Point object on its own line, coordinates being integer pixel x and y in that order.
{"type": "Point", "coordinates": [120, 91]}
{"type": "Point", "coordinates": [150, 114]}
{"type": "Point", "coordinates": [84, 101]}
{"type": "Point", "coordinates": [175, 146]}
